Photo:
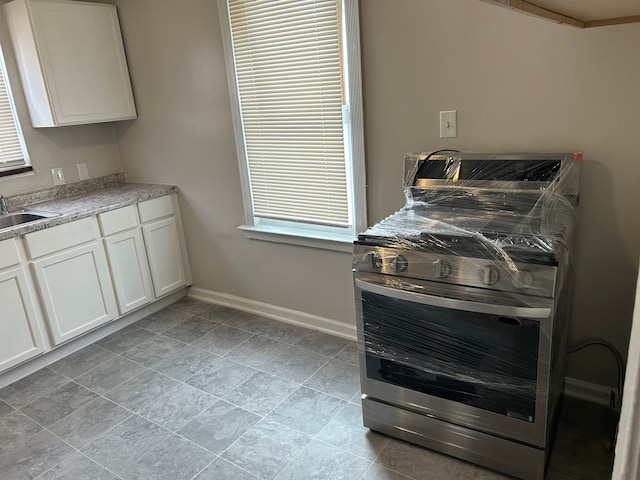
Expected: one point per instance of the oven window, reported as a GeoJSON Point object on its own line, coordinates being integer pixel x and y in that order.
{"type": "Point", "coordinates": [486, 361]}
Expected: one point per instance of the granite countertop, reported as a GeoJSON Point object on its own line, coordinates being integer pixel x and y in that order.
{"type": "Point", "coordinates": [79, 200]}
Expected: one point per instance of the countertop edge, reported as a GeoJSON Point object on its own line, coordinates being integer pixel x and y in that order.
{"type": "Point", "coordinates": [86, 205]}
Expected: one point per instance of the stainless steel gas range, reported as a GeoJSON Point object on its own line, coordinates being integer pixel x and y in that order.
{"type": "Point", "coordinates": [462, 303]}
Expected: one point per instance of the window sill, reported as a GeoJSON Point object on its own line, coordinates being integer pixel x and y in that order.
{"type": "Point", "coordinates": [22, 169]}
{"type": "Point", "coordinates": [301, 237]}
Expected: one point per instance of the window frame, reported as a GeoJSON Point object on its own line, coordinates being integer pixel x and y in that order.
{"type": "Point", "coordinates": [297, 233]}
{"type": "Point", "coordinates": [25, 167]}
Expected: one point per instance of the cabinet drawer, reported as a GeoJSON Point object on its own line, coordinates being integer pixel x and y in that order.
{"type": "Point", "coordinates": [58, 238]}
{"type": "Point", "coordinates": [8, 253]}
{"type": "Point", "coordinates": [118, 220]}
{"type": "Point", "coordinates": [156, 208]}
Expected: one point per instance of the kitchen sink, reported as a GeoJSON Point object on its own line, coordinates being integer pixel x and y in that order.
{"type": "Point", "coordinates": [13, 219]}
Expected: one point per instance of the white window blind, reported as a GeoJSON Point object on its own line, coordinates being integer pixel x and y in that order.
{"type": "Point", "coordinates": [11, 151]}
{"type": "Point", "coordinates": [289, 75]}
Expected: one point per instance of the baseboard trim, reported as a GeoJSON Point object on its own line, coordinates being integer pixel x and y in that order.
{"type": "Point", "coordinates": [587, 391]}
{"type": "Point", "coordinates": [286, 315]}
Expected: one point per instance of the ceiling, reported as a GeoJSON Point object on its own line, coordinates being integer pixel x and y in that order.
{"type": "Point", "coordinates": [591, 10]}
{"type": "Point", "coordinates": [578, 13]}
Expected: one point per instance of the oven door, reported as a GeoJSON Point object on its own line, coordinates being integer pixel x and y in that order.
{"type": "Point", "coordinates": [467, 356]}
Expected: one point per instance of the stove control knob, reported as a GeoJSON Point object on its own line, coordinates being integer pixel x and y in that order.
{"type": "Point", "coordinates": [489, 275]}
{"type": "Point", "coordinates": [400, 263]}
{"type": "Point", "coordinates": [376, 259]}
{"type": "Point", "coordinates": [441, 269]}
{"type": "Point", "coordinates": [522, 279]}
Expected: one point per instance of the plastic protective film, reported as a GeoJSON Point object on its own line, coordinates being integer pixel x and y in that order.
{"type": "Point", "coordinates": [459, 290]}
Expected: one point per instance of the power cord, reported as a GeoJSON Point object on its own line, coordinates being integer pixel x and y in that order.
{"type": "Point", "coordinates": [614, 404]}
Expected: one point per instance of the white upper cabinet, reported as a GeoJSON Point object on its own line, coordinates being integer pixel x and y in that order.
{"type": "Point", "coordinates": [71, 61]}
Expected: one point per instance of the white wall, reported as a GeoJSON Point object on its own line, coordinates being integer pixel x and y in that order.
{"type": "Point", "coordinates": [518, 83]}
{"type": "Point", "coordinates": [55, 147]}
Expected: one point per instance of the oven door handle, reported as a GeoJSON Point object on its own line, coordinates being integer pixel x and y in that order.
{"type": "Point", "coordinates": [444, 302]}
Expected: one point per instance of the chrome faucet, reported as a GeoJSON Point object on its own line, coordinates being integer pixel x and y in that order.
{"type": "Point", "coordinates": [3, 205]}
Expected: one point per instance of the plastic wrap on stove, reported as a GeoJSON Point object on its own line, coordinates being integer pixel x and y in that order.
{"type": "Point", "coordinates": [487, 361]}
{"type": "Point", "coordinates": [509, 223]}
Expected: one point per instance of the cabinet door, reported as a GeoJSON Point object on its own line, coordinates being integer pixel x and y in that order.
{"type": "Point", "coordinates": [76, 290]}
{"type": "Point", "coordinates": [165, 257]}
{"type": "Point", "coordinates": [20, 337]}
{"type": "Point", "coordinates": [129, 270]}
{"type": "Point", "coordinates": [71, 61]}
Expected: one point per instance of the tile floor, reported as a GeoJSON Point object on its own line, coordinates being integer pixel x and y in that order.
{"type": "Point", "coordinates": [202, 392]}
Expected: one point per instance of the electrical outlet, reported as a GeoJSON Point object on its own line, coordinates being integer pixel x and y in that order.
{"type": "Point", "coordinates": [58, 176]}
{"type": "Point", "coordinates": [448, 124]}
{"type": "Point", "coordinates": [83, 171]}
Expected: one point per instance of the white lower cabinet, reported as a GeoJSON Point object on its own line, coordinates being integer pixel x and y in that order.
{"type": "Point", "coordinates": [165, 259]}
{"type": "Point", "coordinates": [129, 270]}
{"type": "Point", "coordinates": [20, 337]}
{"type": "Point", "coordinates": [76, 291]}
{"type": "Point", "coordinates": [86, 276]}
{"type": "Point", "coordinates": [72, 275]}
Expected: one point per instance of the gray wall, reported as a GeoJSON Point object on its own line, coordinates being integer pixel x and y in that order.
{"type": "Point", "coordinates": [518, 83]}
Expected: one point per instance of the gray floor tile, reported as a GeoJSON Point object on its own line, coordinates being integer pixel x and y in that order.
{"type": "Point", "coordinates": [5, 409]}
{"type": "Point", "coordinates": [162, 320]}
{"type": "Point", "coordinates": [220, 469]}
{"type": "Point", "coordinates": [319, 461]}
{"type": "Point", "coordinates": [58, 404]}
{"type": "Point", "coordinates": [415, 462]}
{"type": "Point", "coordinates": [33, 456]}
{"type": "Point", "coordinates": [16, 427]}
{"type": "Point", "coordinates": [256, 352]}
{"type": "Point", "coordinates": [173, 459]}
{"type": "Point", "coordinates": [580, 455]}
{"type": "Point", "coordinates": [322, 343]}
{"type": "Point", "coordinates": [221, 377]}
{"type": "Point", "coordinates": [88, 423]}
{"type": "Point", "coordinates": [261, 393]}
{"type": "Point", "coordinates": [153, 350]}
{"type": "Point", "coordinates": [30, 388]}
{"type": "Point", "coordinates": [222, 339]}
{"type": "Point", "coordinates": [349, 353]}
{"type": "Point", "coordinates": [249, 322]}
{"type": "Point", "coordinates": [140, 391]}
{"type": "Point", "coordinates": [295, 363]}
{"type": "Point", "coordinates": [183, 362]}
{"type": "Point", "coordinates": [191, 329]}
{"type": "Point", "coordinates": [78, 467]}
{"type": "Point", "coordinates": [376, 472]}
{"type": "Point", "coordinates": [307, 410]}
{"type": "Point", "coordinates": [189, 305]}
{"type": "Point", "coordinates": [178, 406]}
{"type": "Point", "coordinates": [81, 361]}
{"type": "Point", "coordinates": [219, 426]}
{"type": "Point", "coordinates": [337, 378]}
{"type": "Point", "coordinates": [266, 448]}
{"type": "Point", "coordinates": [217, 313]}
{"type": "Point", "coordinates": [467, 471]}
{"type": "Point", "coordinates": [109, 375]}
{"type": "Point", "coordinates": [280, 331]}
{"type": "Point", "coordinates": [124, 444]}
{"type": "Point", "coordinates": [124, 339]}
{"type": "Point", "coordinates": [346, 431]}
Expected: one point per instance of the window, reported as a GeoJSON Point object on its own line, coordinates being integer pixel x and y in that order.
{"type": "Point", "coordinates": [13, 154]}
{"type": "Point", "coordinates": [294, 72]}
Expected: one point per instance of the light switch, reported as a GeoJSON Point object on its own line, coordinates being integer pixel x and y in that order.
{"type": "Point", "coordinates": [58, 176]}
{"type": "Point", "coordinates": [448, 124]}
